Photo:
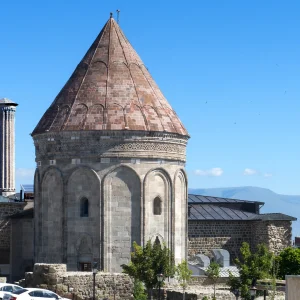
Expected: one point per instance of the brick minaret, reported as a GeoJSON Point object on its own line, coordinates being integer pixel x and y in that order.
{"type": "Point", "coordinates": [7, 149]}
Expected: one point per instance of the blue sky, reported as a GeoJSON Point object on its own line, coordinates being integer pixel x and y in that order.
{"type": "Point", "coordinates": [230, 69]}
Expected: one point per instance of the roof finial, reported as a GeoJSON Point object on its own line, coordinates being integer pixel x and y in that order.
{"type": "Point", "coordinates": [111, 15]}
{"type": "Point", "coordinates": [118, 14]}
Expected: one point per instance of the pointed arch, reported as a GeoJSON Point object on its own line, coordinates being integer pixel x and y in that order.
{"type": "Point", "coordinates": [122, 208]}
{"type": "Point", "coordinates": [157, 185]}
{"type": "Point", "coordinates": [52, 194]}
{"type": "Point", "coordinates": [96, 118]}
{"type": "Point", "coordinates": [37, 212]}
{"type": "Point", "coordinates": [60, 118]}
{"type": "Point", "coordinates": [46, 122]}
{"type": "Point", "coordinates": [157, 237]}
{"type": "Point", "coordinates": [154, 120]}
{"type": "Point", "coordinates": [115, 117]}
{"type": "Point", "coordinates": [180, 215]}
{"type": "Point", "coordinates": [83, 211]}
{"type": "Point", "coordinates": [78, 117]}
{"type": "Point", "coordinates": [136, 119]}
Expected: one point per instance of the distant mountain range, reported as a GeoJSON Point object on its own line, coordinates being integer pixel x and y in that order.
{"type": "Point", "coordinates": [289, 205]}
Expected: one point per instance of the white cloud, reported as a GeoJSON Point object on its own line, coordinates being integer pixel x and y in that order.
{"type": "Point", "coordinates": [24, 173]}
{"type": "Point", "coordinates": [268, 175]}
{"type": "Point", "coordinates": [248, 171]}
{"type": "Point", "coordinates": [211, 172]}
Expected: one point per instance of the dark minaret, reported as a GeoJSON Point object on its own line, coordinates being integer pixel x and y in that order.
{"type": "Point", "coordinates": [7, 149]}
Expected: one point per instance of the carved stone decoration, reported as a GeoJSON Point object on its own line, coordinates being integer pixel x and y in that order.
{"type": "Point", "coordinates": [84, 245]}
{"type": "Point", "coordinates": [139, 146]}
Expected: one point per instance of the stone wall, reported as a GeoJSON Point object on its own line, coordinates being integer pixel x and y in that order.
{"type": "Point", "coordinates": [21, 252]}
{"type": "Point", "coordinates": [277, 234]}
{"type": "Point", "coordinates": [207, 235]}
{"type": "Point", "coordinates": [79, 285]}
{"type": "Point", "coordinates": [55, 277]}
{"type": "Point", "coordinates": [120, 197]}
{"type": "Point", "coordinates": [7, 209]}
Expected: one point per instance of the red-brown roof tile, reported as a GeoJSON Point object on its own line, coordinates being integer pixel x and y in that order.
{"type": "Point", "coordinates": [110, 89]}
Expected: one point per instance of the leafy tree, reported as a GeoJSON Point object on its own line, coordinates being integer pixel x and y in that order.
{"type": "Point", "coordinates": [289, 262]}
{"type": "Point", "coordinates": [148, 261]}
{"type": "Point", "coordinates": [252, 267]}
{"type": "Point", "coordinates": [139, 291]}
{"type": "Point", "coordinates": [183, 274]}
{"type": "Point", "coordinates": [213, 272]}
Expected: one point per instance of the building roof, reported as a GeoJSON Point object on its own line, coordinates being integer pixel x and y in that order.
{"type": "Point", "coordinates": [276, 217]}
{"type": "Point", "coordinates": [27, 188]}
{"type": "Point", "coordinates": [217, 212]}
{"type": "Point", "coordinates": [226, 209]}
{"type": "Point", "coordinates": [110, 89]}
{"type": "Point", "coordinates": [5, 101]}
{"type": "Point", "coordinates": [209, 199]}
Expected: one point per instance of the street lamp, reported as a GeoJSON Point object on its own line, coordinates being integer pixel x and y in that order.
{"type": "Point", "coordinates": [253, 292]}
{"type": "Point", "coordinates": [160, 278]}
{"type": "Point", "coordinates": [95, 270]}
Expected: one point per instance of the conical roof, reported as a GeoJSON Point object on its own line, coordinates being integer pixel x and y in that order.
{"type": "Point", "coordinates": [111, 89]}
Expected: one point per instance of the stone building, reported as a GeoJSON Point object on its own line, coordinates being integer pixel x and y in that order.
{"type": "Point", "coordinates": [8, 209]}
{"type": "Point", "coordinates": [213, 223]}
{"type": "Point", "coordinates": [7, 147]}
{"type": "Point", "coordinates": [110, 154]}
{"type": "Point", "coordinates": [222, 223]}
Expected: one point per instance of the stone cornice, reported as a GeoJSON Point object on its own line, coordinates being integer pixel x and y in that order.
{"type": "Point", "coordinates": [76, 144]}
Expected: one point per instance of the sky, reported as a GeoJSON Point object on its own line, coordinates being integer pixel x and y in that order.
{"type": "Point", "coordinates": [230, 69]}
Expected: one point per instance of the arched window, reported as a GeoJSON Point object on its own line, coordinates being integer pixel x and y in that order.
{"type": "Point", "coordinates": [157, 241]}
{"type": "Point", "coordinates": [157, 206]}
{"type": "Point", "coordinates": [84, 207]}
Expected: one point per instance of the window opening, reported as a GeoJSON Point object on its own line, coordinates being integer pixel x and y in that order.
{"type": "Point", "coordinates": [157, 206]}
{"type": "Point", "coordinates": [84, 207]}
{"type": "Point", "coordinates": [85, 267]}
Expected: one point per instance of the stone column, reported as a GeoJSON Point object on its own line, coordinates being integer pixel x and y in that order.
{"type": "Point", "coordinates": [7, 148]}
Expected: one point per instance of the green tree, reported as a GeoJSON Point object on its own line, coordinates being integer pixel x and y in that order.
{"type": "Point", "coordinates": [213, 272]}
{"type": "Point", "coordinates": [252, 267]}
{"type": "Point", "coordinates": [148, 261]}
{"type": "Point", "coordinates": [273, 277]}
{"type": "Point", "coordinates": [183, 274]}
{"type": "Point", "coordinates": [139, 290]}
{"type": "Point", "coordinates": [289, 262]}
